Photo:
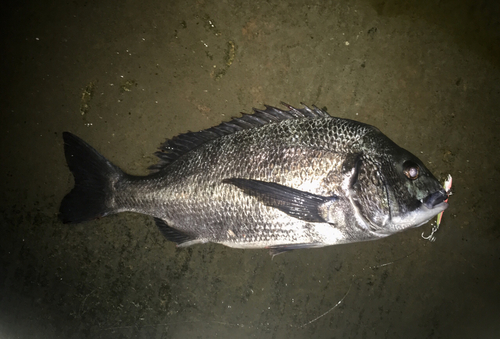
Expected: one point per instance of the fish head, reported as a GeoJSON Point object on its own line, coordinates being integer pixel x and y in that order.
{"type": "Point", "coordinates": [393, 190]}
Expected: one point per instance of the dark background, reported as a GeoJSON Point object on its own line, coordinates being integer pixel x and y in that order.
{"type": "Point", "coordinates": [125, 75]}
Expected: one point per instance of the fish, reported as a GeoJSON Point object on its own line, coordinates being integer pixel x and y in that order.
{"type": "Point", "coordinates": [281, 179]}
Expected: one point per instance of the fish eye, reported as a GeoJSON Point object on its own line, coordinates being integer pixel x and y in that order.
{"type": "Point", "coordinates": [411, 170]}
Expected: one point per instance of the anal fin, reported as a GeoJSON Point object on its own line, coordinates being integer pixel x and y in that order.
{"type": "Point", "coordinates": [174, 235]}
{"type": "Point", "coordinates": [275, 250]}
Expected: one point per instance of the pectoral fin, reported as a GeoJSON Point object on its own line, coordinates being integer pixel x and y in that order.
{"type": "Point", "coordinates": [298, 204]}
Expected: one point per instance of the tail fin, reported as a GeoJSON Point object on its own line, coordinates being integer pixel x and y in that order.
{"type": "Point", "coordinates": [94, 177]}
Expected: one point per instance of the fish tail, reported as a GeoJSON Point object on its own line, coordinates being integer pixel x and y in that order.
{"type": "Point", "coordinates": [94, 176]}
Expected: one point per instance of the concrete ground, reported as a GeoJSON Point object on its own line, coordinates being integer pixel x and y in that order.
{"type": "Point", "coordinates": [126, 75]}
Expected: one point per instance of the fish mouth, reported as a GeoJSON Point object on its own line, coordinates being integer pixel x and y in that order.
{"type": "Point", "coordinates": [430, 206]}
{"type": "Point", "coordinates": [435, 199]}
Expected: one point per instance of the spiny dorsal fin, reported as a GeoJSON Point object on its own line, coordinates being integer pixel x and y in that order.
{"type": "Point", "coordinates": [172, 149]}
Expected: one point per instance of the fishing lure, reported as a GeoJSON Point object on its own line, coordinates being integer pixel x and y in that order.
{"type": "Point", "coordinates": [447, 188]}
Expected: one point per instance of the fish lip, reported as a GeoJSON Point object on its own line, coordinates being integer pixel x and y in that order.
{"type": "Point", "coordinates": [435, 199]}
{"type": "Point", "coordinates": [439, 207]}
{"type": "Point", "coordinates": [431, 212]}
{"type": "Point", "coordinates": [418, 217]}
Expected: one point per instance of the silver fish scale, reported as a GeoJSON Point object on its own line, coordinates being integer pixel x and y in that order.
{"type": "Point", "coordinates": [299, 153]}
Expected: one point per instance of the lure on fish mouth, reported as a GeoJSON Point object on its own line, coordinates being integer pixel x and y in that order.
{"type": "Point", "coordinates": [435, 228]}
{"type": "Point", "coordinates": [276, 179]}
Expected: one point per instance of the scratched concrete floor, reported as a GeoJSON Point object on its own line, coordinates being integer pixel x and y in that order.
{"type": "Point", "coordinates": [126, 75]}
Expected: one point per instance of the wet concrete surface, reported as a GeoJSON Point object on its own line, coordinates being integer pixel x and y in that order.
{"type": "Point", "coordinates": [126, 75]}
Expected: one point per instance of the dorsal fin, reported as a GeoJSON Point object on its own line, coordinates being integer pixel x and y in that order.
{"type": "Point", "coordinates": [172, 149]}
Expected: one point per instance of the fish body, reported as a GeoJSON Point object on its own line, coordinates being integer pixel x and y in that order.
{"type": "Point", "coordinates": [278, 179]}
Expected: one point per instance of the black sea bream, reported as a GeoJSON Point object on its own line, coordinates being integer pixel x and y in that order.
{"type": "Point", "coordinates": [272, 179]}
